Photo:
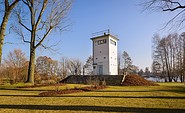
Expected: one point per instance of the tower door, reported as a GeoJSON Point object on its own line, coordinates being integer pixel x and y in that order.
{"type": "Point", "coordinates": [100, 69]}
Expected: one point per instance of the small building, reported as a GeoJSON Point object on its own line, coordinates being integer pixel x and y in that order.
{"type": "Point", "coordinates": [105, 60]}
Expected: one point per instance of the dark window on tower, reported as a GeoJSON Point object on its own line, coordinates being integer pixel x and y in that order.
{"type": "Point", "coordinates": [112, 42]}
{"type": "Point", "coordinates": [98, 42]}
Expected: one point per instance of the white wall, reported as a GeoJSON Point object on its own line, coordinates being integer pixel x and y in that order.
{"type": "Point", "coordinates": [113, 63]}
{"type": "Point", "coordinates": [101, 51]}
{"type": "Point", "coordinates": [106, 55]}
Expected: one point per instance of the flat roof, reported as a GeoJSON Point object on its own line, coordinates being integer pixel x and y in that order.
{"type": "Point", "coordinates": [104, 36]}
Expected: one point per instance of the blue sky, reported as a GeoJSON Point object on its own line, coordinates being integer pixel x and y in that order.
{"type": "Point", "coordinates": [125, 18]}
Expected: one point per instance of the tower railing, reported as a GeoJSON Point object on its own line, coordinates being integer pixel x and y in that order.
{"type": "Point", "coordinates": [104, 32]}
{"type": "Point", "coordinates": [100, 33]}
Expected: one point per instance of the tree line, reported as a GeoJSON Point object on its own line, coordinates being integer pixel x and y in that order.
{"type": "Point", "coordinates": [15, 66]}
{"type": "Point", "coordinates": [169, 57]}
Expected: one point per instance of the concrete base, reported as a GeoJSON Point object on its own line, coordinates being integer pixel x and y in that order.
{"type": "Point", "coordinates": [111, 80]}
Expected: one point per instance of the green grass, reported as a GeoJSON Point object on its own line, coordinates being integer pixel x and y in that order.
{"type": "Point", "coordinates": [168, 97]}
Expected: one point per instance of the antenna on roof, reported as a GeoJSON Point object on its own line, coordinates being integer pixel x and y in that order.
{"type": "Point", "coordinates": [108, 31]}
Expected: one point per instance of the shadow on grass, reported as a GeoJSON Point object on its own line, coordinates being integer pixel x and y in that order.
{"type": "Point", "coordinates": [92, 108]}
{"type": "Point", "coordinates": [89, 96]}
{"type": "Point", "coordinates": [19, 95]}
{"type": "Point", "coordinates": [153, 97]}
{"type": "Point", "coordinates": [176, 89]}
{"type": "Point", "coordinates": [21, 89]}
{"type": "Point", "coordinates": [122, 91]}
{"type": "Point", "coordinates": [118, 91]}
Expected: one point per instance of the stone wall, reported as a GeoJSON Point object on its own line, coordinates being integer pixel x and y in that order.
{"type": "Point", "coordinates": [111, 80]}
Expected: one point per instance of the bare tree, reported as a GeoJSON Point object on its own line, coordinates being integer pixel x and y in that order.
{"type": "Point", "coordinates": [15, 65]}
{"type": "Point", "coordinates": [74, 66]}
{"type": "Point", "coordinates": [7, 6]}
{"type": "Point", "coordinates": [46, 69]}
{"type": "Point", "coordinates": [44, 16]}
{"type": "Point", "coordinates": [183, 57]}
{"type": "Point", "coordinates": [177, 7]}
{"type": "Point", "coordinates": [158, 65]}
{"type": "Point", "coordinates": [88, 67]}
{"type": "Point", "coordinates": [168, 57]}
{"type": "Point", "coordinates": [62, 69]}
{"type": "Point", "coordinates": [46, 66]}
{"type": "Point", "coordinates": [127, 61]}
{"type": "Point", "coordinates": [67, 66]}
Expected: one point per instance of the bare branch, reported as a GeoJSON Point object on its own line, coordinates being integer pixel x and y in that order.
{"type": "Point", "coordinates": [171, 20]}
{"type": "Point", "coordinates": [41, 12]}
{"type": "Point", "coordinates": [42, 26]}
{"type": "Point", "coordinates": [173, 9]}
{"type": "Point", "coordinates": [24, 26]}
{"type": "Point", "coordinates": [20, 21]}
{"type": "Point", "coordinates": [6, 4]}
{"type": "Point", "coordinates": [13, 4]}
{"type": "Point", "coordinates": [20, 33]}
{"type": "Point", "coordinates": [177, 7]}
{"type": "Point", "coordinates": [173, 2]}
{"type": "Point", "coordinates": [45, 35]}
{"type": "Point", "coordinates": [25, 2]}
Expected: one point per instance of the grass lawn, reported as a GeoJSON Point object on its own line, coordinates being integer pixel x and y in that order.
{"type": "Point", "coordinates": [168, 97]}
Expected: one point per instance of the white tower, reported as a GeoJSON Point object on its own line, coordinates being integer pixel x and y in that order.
{"type": "Point", "coordinates": [104, 53]}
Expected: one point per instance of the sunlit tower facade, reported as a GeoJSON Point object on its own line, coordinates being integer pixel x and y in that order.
{"type": "Point", "coordinates": [105, 61]}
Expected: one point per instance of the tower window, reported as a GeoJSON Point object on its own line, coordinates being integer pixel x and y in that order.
{"type": "Point", "coordinates": [98, 42]}
{"type": "Point", "coordinates": [104, 57]}
{"type": "Point", "coordinates": [112, 42]}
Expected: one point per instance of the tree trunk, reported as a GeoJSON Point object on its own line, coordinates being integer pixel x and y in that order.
{"type": "Point", "coordinates": [2, 32]}
{"type": "Point", "coordinates": [8, 9]}
{"type": "Point", "coordinates": [167, 65]}
{"type": "Point", "coordinates": [31, 68]}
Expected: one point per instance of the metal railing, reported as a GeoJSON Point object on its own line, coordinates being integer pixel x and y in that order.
{"type": "Point", "coordinates": [100, 33]}
{"type": "Point", "coordinates": [104, 32]}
